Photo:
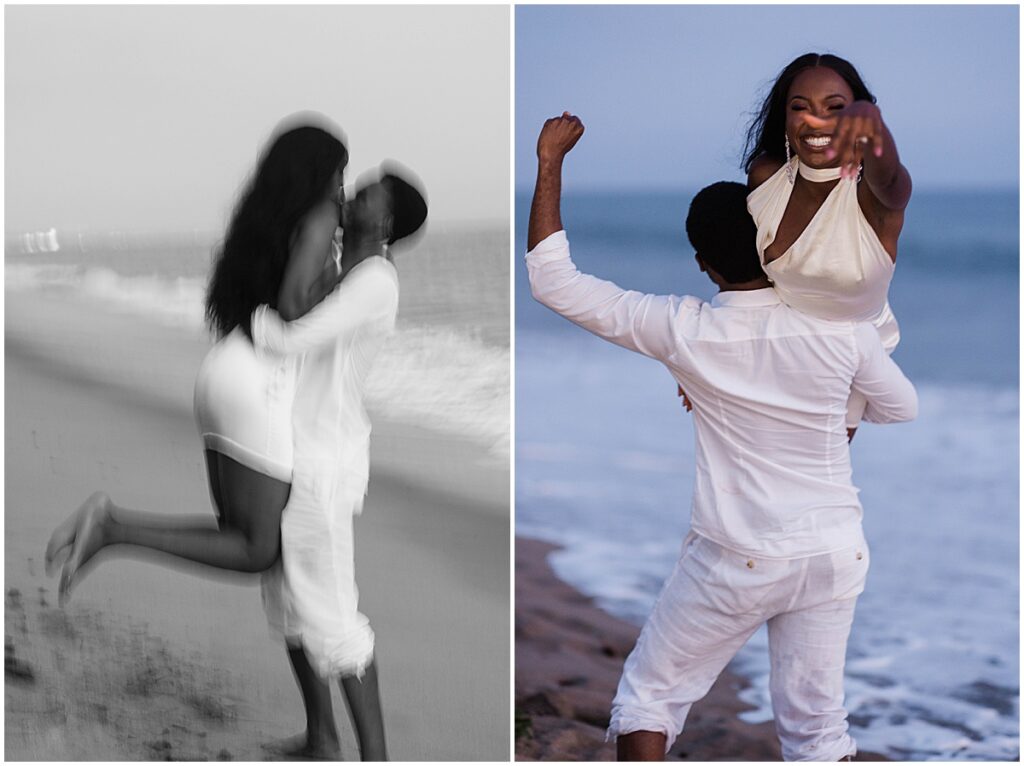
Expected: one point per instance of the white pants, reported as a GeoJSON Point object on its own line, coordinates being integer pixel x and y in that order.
{"type": "Point", "coordinates": [710, 605]}
{"type": "Point", "coordinates": [310, 595]}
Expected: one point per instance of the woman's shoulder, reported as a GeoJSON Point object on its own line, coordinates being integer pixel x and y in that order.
{"type": "Point", "coordinates": [316, 227]}
{"type": "Point", "coordinates": [761, 169]}
{"type": "Point", "coordinates": [322, 216]}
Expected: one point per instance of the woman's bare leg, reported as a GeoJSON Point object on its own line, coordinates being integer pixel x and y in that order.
{"type": "Point", "coordinates": [247, 540]}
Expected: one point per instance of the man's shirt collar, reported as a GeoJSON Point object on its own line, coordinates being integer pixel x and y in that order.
{"type": "Point", "coordinates": [765, 296]}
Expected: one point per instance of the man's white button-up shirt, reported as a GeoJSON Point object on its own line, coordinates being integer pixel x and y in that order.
{"type": "Point", "coordinates": [338, 340]}
{"type": "Point", "coordinates": [769, 388]}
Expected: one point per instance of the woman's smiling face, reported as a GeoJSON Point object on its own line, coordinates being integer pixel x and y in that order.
{"type": "Point", "coordinates": [821, 92]}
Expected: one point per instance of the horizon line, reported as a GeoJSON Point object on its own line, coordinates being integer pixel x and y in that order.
{"type": "Point", "coordinates": [616, 187]}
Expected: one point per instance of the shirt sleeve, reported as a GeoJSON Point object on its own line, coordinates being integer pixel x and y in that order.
{"type": "Point", "coordinates": [637, 321]}
{"type": "Point", "coordinates": [891, 397]}
{"type": "Point", "coordinates": [366, 295]}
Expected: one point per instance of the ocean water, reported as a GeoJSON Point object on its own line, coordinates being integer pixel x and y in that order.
{"type": "Point", "coordinates": [447, 367]}
{"type": "Point", "coordinates": [604, 466]}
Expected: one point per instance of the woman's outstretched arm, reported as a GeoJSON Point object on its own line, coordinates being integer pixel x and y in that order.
{"type": "Point", "coordinates": [860, 137]}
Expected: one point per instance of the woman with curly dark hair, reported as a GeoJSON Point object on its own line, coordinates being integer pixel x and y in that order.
{"type": "Point", "coordinates": [278, 242]}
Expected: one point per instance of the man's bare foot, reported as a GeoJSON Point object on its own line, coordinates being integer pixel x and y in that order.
{"type": "Point", "coordinates": [301, 747]}
{"type": "Point", "coordinates": [91, 521]}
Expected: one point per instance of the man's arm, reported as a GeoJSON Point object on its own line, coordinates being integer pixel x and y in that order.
{"type": "Point", "coordinates": [891, 397]}
{"type": "Point", "coordinates": [368, 294]}
{"type": "Point", "coordinates": [558, 136]}
{"type": "Point", "coordinates": [636, 321]}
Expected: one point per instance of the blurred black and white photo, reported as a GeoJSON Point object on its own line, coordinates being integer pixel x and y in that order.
{"type": "Point", "coordinates": [257, 383]}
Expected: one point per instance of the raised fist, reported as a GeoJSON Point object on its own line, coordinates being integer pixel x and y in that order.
{"type": "Point", "coordinates": [558, 136]}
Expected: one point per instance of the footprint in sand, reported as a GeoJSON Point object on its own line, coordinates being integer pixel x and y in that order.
{"type": "Point", "coordinates": [161, 750]}
{"type": "Point", "coordinates": [14, 611]}
{"type": "Point", "coordinates": [210, 707]}
{"type": "Point", "coordinates": [16, 669]}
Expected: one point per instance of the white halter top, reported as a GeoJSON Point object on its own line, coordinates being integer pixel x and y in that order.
{"type": "Point", "coordinates": [837, 268]}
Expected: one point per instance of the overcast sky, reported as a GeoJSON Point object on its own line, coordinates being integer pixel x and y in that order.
{"type": "Point", "coordinates": [666, 92]}
{"type": "Point", "coordinates": [149, 118]}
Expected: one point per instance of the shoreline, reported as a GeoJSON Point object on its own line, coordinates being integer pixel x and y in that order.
{"type": "Point", "coordinates": [43, 330]}
{"type": "Point", "coordinates": [569, 656]}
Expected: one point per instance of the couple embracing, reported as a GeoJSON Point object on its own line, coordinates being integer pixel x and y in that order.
{"type": "Point", "coordinates": [300, 313]}
{"type": "Point", "coordinates": [779, 369]}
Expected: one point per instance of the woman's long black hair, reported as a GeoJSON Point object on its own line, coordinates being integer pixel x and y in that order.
{"type": "Point", "coordinates": [292, 176]}
{"type": "Point", "coordinates": [766, 134]}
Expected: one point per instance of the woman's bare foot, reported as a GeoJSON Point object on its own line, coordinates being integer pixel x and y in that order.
{"type": "Point", "coordinates": [86, 539]}
{"type": "Point", "coordinates": [59, 546]}
{"type": "Point", "coordinates": [302, 747]}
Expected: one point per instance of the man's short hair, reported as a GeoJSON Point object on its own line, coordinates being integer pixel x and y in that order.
{"type": "Point", "coordinates": [408, 199]}
{"type": "Point", "coordinates": [408, 206]}
{"type": "Point", "coordinates": [723, 233]}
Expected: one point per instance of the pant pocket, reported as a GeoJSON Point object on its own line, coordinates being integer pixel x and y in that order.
{"type": "Point", "coordinates": [850, 570]}
{"type": "Point", "coordinates": [738, 584]}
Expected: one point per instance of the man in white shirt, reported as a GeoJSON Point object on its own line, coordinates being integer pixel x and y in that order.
{"type": "Point", "coordinates": [775, 525]}
{"type": "Point", "coordinates": [311, 598]}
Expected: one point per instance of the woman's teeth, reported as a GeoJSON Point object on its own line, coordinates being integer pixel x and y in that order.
{"type": "Point", "coordinates": [818, 141]}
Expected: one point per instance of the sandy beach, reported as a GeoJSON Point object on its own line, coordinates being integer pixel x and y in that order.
{"type": "Point", "coordinates": [569, 656]}
{"type": "Point", "coordinates": [157, 663]}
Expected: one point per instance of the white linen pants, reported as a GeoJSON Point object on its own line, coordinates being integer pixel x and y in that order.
{"type": "Point", "coordinates": [310, 595]}
{"type": "Point", "coordinates": [710, 605]}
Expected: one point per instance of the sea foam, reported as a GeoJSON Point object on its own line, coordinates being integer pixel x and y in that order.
{"type": "Point", "coordinates": [437, 376]}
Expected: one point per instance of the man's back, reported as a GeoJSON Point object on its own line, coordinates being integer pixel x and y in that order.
{"type": "Point", "coordinates": [769, 387]}
{"type": "Point", "coordinates": [338, 340]}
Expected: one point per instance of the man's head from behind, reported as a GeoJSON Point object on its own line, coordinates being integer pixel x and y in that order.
{"type": "Point", "coordinates": [723, 234]}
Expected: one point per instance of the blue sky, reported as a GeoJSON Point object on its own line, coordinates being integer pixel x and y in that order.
{"type": "Point", "coordinates": [666, 91]}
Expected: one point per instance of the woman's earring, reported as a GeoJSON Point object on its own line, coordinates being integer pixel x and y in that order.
{"type": "Point", "coordinates": [789, 167]}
